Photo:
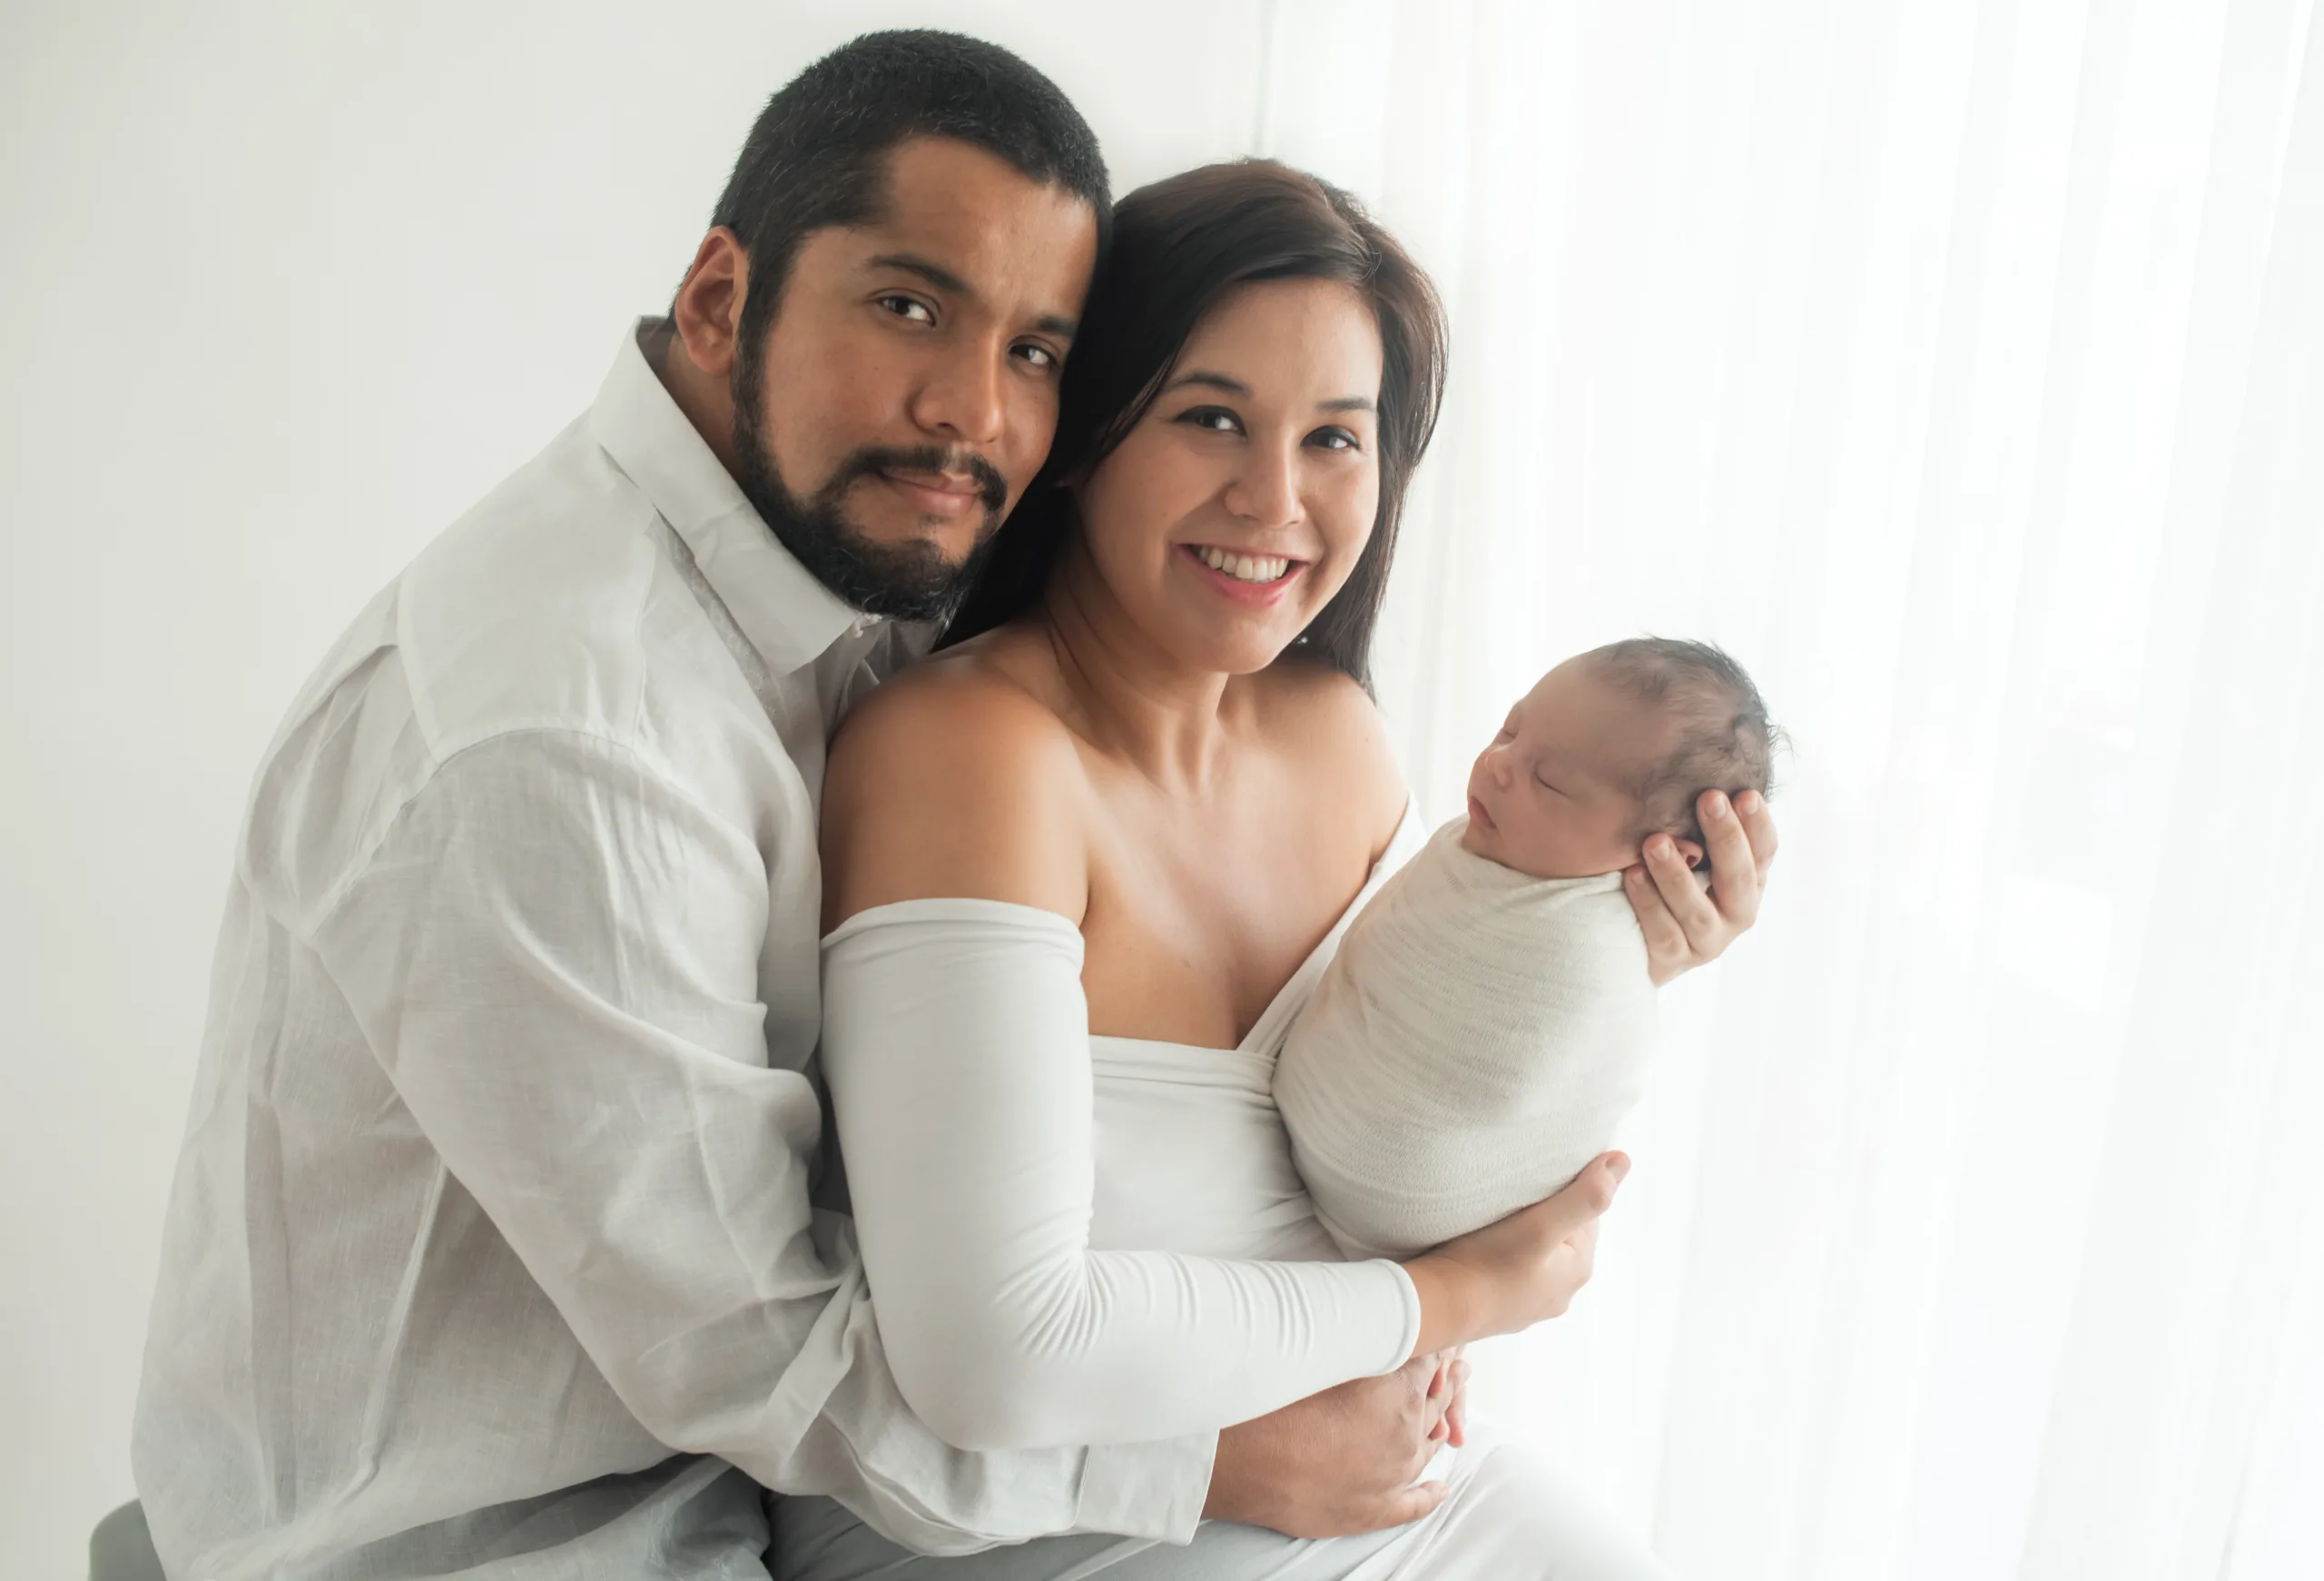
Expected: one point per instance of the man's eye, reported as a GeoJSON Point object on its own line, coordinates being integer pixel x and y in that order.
{"type": "Point", "coordinates": [906, 307]}
{"type": "Point", "coordinates": [1216, 419]}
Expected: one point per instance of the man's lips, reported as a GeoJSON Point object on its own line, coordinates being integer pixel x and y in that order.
{"type": "Point", "coordinates": [936, 493]}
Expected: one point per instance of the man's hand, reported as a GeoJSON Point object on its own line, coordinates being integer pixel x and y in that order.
{"type": "Point", "coordinates": [1451, 1386]}
{"type": "Point", "coordinates": [1686, 925]}
{"type": "Point", "coordinates": [1343, 1461]}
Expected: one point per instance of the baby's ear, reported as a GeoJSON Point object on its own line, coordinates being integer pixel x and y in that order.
{"type": "Point", "coordinates": [1692, 850]}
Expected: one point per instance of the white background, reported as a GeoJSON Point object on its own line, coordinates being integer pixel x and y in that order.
{"type": "Point", "coordinates": [1948, 363]}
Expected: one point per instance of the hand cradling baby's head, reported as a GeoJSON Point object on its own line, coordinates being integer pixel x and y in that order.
{"type": "Point", "coordinates": [1613, 746]}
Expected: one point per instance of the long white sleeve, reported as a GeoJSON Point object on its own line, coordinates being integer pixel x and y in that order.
{"type": "Point", "coordinates": [956, 1043]}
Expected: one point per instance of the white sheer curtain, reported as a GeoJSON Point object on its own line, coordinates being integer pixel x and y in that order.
{"type": "Point", "coordinates": [1961, 368]}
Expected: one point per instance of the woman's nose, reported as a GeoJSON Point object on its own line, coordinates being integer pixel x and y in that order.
{"type": "Point", "coordinates": [1267, 490]}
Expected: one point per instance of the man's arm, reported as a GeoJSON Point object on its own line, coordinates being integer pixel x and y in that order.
{"type": "Point", "coordinates": [554, 955]}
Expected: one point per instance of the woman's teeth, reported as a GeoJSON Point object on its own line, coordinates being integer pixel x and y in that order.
{"type": "Point", "coordinates": [1244, 567]}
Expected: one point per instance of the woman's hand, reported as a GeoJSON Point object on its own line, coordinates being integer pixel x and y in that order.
{"type": "Point", "coordinates": [1516, 1272]}
{"type": "Point", "coordinates": [1686, 925]}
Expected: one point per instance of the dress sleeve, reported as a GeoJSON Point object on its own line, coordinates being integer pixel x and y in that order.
{"type": "Point", "coordinates": [956, 1042]}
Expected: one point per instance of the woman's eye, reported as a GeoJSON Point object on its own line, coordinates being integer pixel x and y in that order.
{"type": "Point", "coordinates": [1040, 357]}
{"type": "Point", "coordinates": [1216, 419]}
{"type": "Point", "coordinates": [1333, 439]}
{"type": "Point", "coordinates": [906, 307]}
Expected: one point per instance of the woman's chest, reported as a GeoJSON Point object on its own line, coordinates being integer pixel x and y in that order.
{"type": "Point", "coordinates": [1198, 915]}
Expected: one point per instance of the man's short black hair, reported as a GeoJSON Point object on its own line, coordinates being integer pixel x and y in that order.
{"type": "Point", "coordinates": [817, 156]}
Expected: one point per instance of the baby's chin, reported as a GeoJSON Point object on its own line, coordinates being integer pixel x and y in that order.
{"type": "Point", "coordinates": [1479, 839]}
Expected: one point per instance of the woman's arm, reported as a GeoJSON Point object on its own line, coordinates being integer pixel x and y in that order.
{"type": "Point", "coordinates": [956, 1042]}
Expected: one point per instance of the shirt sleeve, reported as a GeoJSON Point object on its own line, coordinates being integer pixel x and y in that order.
{"type": "Point", "coordinates": [553, 954]}
{"type": "Point", "coordinates": [955, 1041]}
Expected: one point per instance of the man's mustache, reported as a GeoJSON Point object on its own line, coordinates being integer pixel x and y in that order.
{"type": "Point", "coordinates": [871, 460]}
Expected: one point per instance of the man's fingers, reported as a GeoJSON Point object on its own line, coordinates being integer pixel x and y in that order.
{"type": "Point", "coordinates": [1456, 1411]}
{"type": "Point", "coordinates": [1408, 1505]}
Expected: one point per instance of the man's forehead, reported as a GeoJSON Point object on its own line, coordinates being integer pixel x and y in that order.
{"type": "Point", "coordinates": [975, 216]}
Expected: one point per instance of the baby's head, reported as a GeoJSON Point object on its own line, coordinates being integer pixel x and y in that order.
{"type": "Point", "coordinates": [1614, 746]}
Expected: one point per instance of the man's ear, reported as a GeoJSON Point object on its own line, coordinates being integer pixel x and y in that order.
{"type": "Point", "coordinates": [1692, 850]}
{"type": "Point", "coordinates": [708, 313]}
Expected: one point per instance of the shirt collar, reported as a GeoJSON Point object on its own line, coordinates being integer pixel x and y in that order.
{"type": "Point", "coordinates": [787, 614]}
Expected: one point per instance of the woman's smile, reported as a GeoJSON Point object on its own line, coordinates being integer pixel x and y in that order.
{"type": "Point", "coordinates": [1254, 581]}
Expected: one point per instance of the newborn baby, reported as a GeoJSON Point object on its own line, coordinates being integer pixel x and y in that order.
{"type": "Point", "coordinates": [1488, 1019]}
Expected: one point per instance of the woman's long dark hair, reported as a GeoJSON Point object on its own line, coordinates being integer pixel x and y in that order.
{"type": "Point", "coordinates": [1178, 246]}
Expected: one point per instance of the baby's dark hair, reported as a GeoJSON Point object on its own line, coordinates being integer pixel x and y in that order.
{"type": "Point", "coordinates": [1725, 741]}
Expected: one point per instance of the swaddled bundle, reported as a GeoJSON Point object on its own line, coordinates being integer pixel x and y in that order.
{"type": "Point", "coordinates": [1474, 1042]}
{"type": "Point", "coordinates": [1488, 1017]}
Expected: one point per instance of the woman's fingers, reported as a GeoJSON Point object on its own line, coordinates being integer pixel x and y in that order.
{"type": "Point", "coordinates": [1588, 1194]}
{"type": "Point", "coordinates": [1666, 940]}
{"type": "Point", "coordinates": [1759, 827]}
{"type": "Point", "coordinates": [1734, 870]}
{"type": "Point", "coordinates": [1684, 924]}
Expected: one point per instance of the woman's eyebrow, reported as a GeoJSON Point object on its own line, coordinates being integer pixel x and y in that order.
{"type": "Point", "coordinates": [1231, 385]}
{"type": "Point", "coordinates": [1209, 379]}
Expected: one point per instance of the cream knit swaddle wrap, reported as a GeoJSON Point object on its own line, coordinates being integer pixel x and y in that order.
{"type": "Point", "coordinates": [1473, 1043]}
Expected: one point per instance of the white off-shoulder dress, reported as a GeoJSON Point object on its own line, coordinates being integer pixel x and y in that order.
{"type": "Point", "coordinates": [1078, 1239]}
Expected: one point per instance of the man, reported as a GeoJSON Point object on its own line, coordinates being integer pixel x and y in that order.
{"type": "Point", "coordinates": [490, 1250]}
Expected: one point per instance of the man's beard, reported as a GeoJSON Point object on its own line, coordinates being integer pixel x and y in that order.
{"type": "Point", "coordinates": [909, 582]}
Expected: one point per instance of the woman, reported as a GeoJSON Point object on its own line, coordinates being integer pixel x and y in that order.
{"type": "Point", "coordinates": [1089, 861]}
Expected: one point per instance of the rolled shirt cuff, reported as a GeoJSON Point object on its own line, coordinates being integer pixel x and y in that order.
{"type": "Point", "coordinates": [1147, 1490]}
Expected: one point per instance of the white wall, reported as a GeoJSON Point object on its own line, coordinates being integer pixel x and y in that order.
{"type": "Point", "coordinates": [286, 286]}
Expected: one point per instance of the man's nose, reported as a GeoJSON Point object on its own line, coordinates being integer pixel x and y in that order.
{"type": "Point", "coordinates": [1267, 490]}
{"type": "Point", "coordinates": [966, 398]}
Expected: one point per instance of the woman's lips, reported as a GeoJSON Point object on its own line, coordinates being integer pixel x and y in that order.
{"type": "Point", "coordinates": [1250, 595]}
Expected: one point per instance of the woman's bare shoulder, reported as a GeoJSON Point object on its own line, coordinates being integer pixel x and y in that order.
{"type": "Point", "coordinates": [955, 779]}
{"type": "Point", "coordinates": [1333, 741]}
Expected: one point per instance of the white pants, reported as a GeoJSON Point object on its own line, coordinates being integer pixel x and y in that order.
{"type": "Point", "coordinates": [1509, 1517]}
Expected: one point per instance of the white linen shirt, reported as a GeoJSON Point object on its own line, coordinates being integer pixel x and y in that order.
{"type": "Point", "coordinates": [489, 1250]}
